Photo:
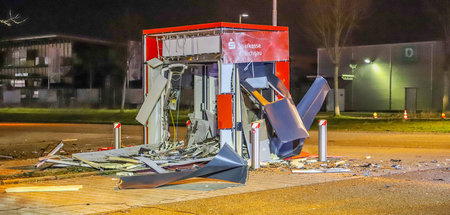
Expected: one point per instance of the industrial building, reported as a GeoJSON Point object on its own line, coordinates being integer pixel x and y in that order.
{"type": "Point", "coordinates": [388, 77]}
{"type": "Point", "coordinates": [65, 71]}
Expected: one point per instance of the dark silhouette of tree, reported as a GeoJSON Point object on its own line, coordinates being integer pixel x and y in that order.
{"type": "Point", "coordinates": [440, 9]}
{"type": "Point", "coordinates": [330, 23]}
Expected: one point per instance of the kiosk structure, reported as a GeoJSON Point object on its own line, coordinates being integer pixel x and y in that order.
{"type": "Point", "coordinates": [237, 74]}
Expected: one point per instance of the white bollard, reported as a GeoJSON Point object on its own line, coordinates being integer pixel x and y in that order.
{"type": "Point", "coordinates": [322, 140]}
{"type": "Point", "coordinates": [117, 135]}
{"type": "Point", "coordinates": [256, 155]}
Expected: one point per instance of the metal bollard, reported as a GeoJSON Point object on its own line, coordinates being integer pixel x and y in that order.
{"type": "Point", "coordinates": [117, 135]}
{"type": "Point", "coordinates": [256, 155]}
{"type": "Point", "coordinates": [322, 140]}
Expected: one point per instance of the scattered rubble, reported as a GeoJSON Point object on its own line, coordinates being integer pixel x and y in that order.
{"type": "Point", "coordinates": [6, 156]}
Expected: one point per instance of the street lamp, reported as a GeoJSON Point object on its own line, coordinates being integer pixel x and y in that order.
{"type": "Point", "coordinates": [242, 15]}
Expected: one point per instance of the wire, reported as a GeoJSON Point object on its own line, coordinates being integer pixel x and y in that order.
{"type": "Point", "coordinates": [175, 128]}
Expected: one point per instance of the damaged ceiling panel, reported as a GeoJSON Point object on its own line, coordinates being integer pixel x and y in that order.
{"type": "Point", "coordinates": [307, 109]}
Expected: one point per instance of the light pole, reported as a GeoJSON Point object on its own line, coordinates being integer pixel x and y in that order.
{"type": "Point", "coordinates": [274, 12]}
{"type": "Point", "coordinates": [242, 15]}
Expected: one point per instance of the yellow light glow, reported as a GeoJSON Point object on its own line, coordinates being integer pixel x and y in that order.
{"type": "Point", "coordinates": [376, 68]}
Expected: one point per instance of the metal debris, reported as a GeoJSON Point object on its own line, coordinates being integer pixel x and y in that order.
{"type": "Point", "coordinates": [53, 152]}
{"type": "Point", "coordinates": [6, 156]}
{"type": "Point", "coordinates": [331, 170]}
{"type": "Point", "coordinates": [226, 165]}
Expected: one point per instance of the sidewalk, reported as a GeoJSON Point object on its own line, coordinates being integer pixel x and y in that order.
{"type": "Point", "coordinates": [99, 195]}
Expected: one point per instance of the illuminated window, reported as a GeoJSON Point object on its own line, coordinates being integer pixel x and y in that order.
{"type": "Point", "coordinates": [18, 83]}
{"type": "Point", "coordinates": [36, 94]}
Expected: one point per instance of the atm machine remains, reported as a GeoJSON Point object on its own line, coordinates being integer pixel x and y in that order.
{"type": "Point", "coordinates": [239, 74]}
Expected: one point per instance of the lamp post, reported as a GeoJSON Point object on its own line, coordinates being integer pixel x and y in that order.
{"type": "Point", "coordinates": [242, 15]}
{"type": "Point", "coordinates": [274, 12]}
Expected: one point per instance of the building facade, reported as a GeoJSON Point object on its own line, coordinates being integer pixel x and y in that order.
{"type": "Point", "coordinates": [389, 77]}
{"type": "Point", "coordinates": [62, 71]}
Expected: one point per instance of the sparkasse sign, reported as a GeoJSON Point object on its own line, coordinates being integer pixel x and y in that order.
{"type": "Point", "coordinates": [257, 46]}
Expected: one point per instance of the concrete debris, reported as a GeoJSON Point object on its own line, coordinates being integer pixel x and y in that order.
{"type": "Point", "coordinates": [140, 159]}
{"type": "Point", "coordinates": [68, 163]}
{"type": "Point", "coordinates": [297, 163]}
{"type": "Point", "coordinates": [339, 163]}
{"type": "Point", "coordinates": [398, 167]}
{"type": "Point", "coordinates": [6, 156]}
{"type": "Point", "coordinates": [331, 170]}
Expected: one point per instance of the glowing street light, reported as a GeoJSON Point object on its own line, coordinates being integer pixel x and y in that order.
{"type": "Point", "coordinates": [242, 15]}
{"type": "Point", "coordinates": [367, 60]}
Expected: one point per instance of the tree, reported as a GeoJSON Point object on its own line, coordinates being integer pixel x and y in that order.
{"type": "Point", "coordinates": [12, 19]}
{"type": "Point", "coordinates": [440, 9]}
{"type": "Point", "coordinates": [330, 24]}
{"type": "Point", "coordinates": [123, 30]}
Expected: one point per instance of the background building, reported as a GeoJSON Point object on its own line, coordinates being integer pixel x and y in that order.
{"type": "Point", "coordinates": [64, 71]}
{"type": "Point", "coordinates": [388, 77]}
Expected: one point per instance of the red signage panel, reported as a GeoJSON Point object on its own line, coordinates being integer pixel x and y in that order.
{"type": "Point", "coordinates": [256, 46]}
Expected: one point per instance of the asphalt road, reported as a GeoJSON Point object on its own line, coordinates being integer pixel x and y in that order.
{"type": "Point", "coordinates": [28, 140]}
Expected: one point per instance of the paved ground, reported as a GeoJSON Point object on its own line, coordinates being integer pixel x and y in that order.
{"type": "Point", "coordinates": [410, 193]}
{"type": "Point", "coordinates": [275, 191]}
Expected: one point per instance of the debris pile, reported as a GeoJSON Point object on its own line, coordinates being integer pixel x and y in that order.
{"type": "Point", "coordinates": [172, 163]}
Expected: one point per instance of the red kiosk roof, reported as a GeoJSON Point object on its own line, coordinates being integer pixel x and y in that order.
{"type": "Point", "coordinates": [215, 25]}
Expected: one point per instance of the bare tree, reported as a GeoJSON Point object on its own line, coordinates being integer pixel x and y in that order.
{"type": "Point", "coordinates": [330, 23]}
{"type": "Point", "coordinates": [125, 29]}
{"type": "Point", "coordinates": [440, 9]}
{"type": "Point", "coordinates": [12, 19]}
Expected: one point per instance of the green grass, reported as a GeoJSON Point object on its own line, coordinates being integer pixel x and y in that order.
{"type": "Point", "coordinates": [67, 115]}
{"type": "Point", "coordinates": [350, 121]}
{"type": "Point", "coordinates": [395, 125]}
{"type": "Point", "coordinates": [76, 115]}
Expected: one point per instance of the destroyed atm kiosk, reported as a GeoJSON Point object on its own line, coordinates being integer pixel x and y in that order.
{"type": "Point", "coordinates": [239, 73]}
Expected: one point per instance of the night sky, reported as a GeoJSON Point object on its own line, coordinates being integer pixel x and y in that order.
{"type": "Point", "coordinates": [389, 21]}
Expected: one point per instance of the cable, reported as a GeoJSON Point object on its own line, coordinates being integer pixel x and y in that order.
{"type": "Point", "coordinates": [175, 128]}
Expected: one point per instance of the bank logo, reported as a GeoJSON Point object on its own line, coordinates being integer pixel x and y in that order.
{"type": "Point", "coordinates": [231, 44]}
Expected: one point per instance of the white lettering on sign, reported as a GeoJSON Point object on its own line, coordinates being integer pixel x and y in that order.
{"type": "Point", "coordinates": [254, 53]}
{"type": "Point", "coordinates": [231, 44]}
{"type": "Point", "coordinates": [409, 52]}
{"type": "Point", "coordinates": [21, 74]}
{"type": "Point", "coordinates": [252, 46]}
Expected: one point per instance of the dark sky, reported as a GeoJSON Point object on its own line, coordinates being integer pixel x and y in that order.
{"type": "Point", "coordinates": [389, 21]}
